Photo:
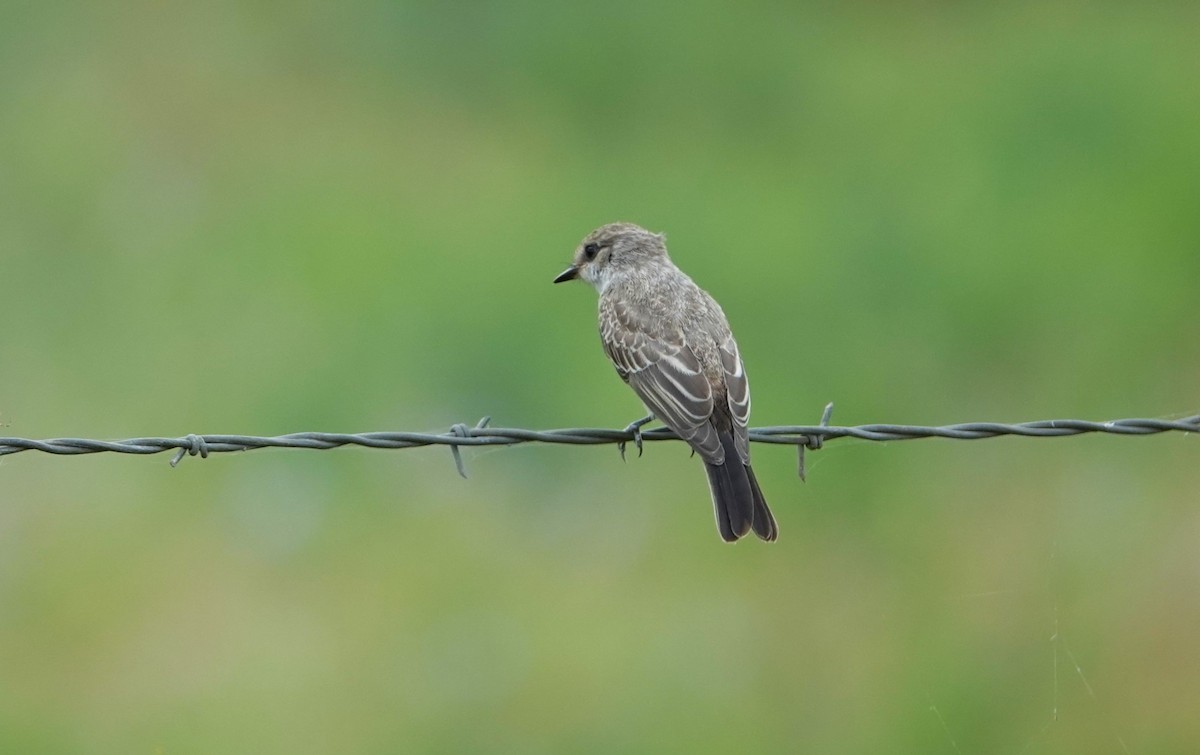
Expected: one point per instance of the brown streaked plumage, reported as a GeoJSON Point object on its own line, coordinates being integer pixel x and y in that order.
{"type": "Point", "coordinates": [670, 341]}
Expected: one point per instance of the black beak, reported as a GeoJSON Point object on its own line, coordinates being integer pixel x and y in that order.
{"type": "Point", "coordinates": [571, 273]}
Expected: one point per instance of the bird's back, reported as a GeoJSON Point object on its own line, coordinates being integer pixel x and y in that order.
{"type": "Point", "coordinates": [669, 306]}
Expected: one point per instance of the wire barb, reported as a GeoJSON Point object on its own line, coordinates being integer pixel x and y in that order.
{"type": "Point", "coordinates": [195, 446]}
{"type": "Point", "coordinates": [815, 441]}
{"type": "Point", "coordinates": [804, 436]}
{"type": "Point", "coordinates": [462, 431]}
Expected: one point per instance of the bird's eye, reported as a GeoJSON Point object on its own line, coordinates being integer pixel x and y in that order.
{"type": "Point", "coordinates": [590, 250]}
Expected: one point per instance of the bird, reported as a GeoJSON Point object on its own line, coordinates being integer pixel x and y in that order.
{"type": "Point", "coordinates": [670, 342]}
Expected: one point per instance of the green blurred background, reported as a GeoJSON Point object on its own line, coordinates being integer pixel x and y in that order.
{"type": "Point", "coordinates": [274, 217]}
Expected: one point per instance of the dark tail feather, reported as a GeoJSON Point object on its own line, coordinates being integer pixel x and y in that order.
{"type": "Point", "coordinates": [732, 521]}
{"type": "Point", "coordinates": [734, 495]}
{"type": "Point", "coordinates": [764, 522]}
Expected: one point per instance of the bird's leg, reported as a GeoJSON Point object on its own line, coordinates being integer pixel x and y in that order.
{"type": "Point", "coordinates": [635, 427]}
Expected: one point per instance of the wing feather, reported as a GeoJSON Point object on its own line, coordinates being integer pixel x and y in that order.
{"type": "Point", "coordinates": [738, 389]}
{"type": "Point", "coordinates": [666, 376]}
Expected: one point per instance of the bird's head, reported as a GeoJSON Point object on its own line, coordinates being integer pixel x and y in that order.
{"type": "Point", "coordinates": [612, 250]}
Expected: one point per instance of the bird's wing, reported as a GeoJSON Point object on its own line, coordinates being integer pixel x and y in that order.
{"type": "Point", "coordinates": [738, 389]}
{"type": "Point", "coordinates": [665, 374]}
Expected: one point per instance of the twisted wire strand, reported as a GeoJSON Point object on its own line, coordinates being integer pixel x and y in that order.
{"type": "Point", "coordinates": [802, 436]}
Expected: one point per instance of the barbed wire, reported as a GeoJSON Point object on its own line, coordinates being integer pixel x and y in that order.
{"type": "Point", "coordinates": [809, 437]}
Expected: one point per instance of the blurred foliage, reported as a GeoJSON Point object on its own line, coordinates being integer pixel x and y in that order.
{"type": "Point", "coordinates": [267, 217]}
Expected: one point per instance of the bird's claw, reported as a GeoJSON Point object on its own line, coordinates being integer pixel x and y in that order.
{"type": "Point", "coordinates": [637, 440]}
{"type": "Point", "coordinates": [636, 429]}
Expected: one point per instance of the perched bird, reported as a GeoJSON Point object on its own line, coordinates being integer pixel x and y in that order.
{"type": "Point", "coordinates": [671, 343]}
